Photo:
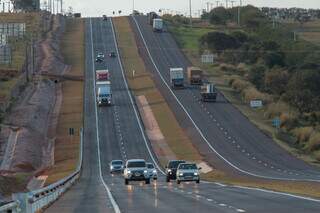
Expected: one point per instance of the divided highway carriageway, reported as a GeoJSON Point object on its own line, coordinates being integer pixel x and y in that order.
{"type": "Point", "coordinates": [116, 132]}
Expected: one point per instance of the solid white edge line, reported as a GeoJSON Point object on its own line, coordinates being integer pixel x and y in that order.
{"type": "Point", "coordinates": [131, 100]}
{"type": "Point", "coordinates": [113, 202]}
{"type": "Point", "coordinates": [198, 129]}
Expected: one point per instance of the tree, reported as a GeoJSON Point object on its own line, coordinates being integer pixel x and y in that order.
{"type": "Point", "coordinates": [26, 5]}
{"type": "Point", "coordinates": [256, 76]}
{"type": "Point", "coordinates": [276, 81]}
{"type": "Point", "coordinates": [273, 58]}
{"type": "Point", "coordinates": [252, 17]}
{"type": "Point", "coordinates": [219, 16]}
{"type": "Point", "coordinates": [218, 41]}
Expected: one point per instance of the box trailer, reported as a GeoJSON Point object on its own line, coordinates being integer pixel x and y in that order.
{"type": "Point", "coordinates": [176, 77]}
{"type": "Point", "coordinates": [195, 75]}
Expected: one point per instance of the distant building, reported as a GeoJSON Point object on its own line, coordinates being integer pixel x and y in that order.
{"type": "Point", "coordinates": [26, 5]}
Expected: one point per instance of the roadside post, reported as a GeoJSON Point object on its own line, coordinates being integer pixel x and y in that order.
{"type": "Point", "coordinates": [276, 122]}
{"type": "Point", "coordinates": [71, 134]}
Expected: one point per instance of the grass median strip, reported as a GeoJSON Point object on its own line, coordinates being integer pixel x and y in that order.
{"type": "Point", "coordinates": [71, 112]}
{"type": "Point", "coordinates": [142, 84]}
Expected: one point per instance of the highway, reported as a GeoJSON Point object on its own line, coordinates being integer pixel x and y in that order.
{"type": "Point", "coordinates": [116, 132]}
{"type": "Point", "coordinates": [234, 142]}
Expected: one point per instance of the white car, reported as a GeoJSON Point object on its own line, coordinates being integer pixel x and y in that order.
{"type": "Point", "coordinates": [116, 166]}
{"type": "Point", "coordinates": [136, 170]}
{"type": "Point", "coordinates": [188, 172]}
{"type": "Point", "coordinates": [152, 171]}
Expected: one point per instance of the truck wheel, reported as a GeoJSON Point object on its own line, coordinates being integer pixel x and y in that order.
{"type": "Point", "coordinates": [168, 179]}
{"type": "Point", "coordinates": [147, 181]}
{"type": "Point", "coordinates": [126, 181]}
{"type": "Point", "coordinates": [178, 181]}
{"type": "Point", "coordinates": [198, 181]}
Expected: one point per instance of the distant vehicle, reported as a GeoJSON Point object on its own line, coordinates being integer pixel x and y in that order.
{"type": "Point", "coordinates": [104, 94]}
{"type": "Point", "coordinates": [188, 172]}
{"type": "Point", "coordinates": [176, 77]}
{"type": "Point", "coordinates": [171, 169]}
{"type": "Point", "coordinates": [136, 13]}
{"type": "Point", "coordinates": [157, 25]}
{"type": "Point", "coordinates": [195, 75]}
{"type": "Point", "coordinates": [152, 171]}
{"type": "Point", "coordinates": [102, 75]}
{"type": "Point", "coordinates": [112, 55]}
{"type": "Point", "coordinates": [151, 16]}
{"type": "Point", "coordinates": [116, 166]}
{"type": "Point", "coordinates": [208, 93]}
{"type": "Point", "coordinates": [105, 18]}
{"type": "Point", "coordinates": [100, 57]}
{"type": "Point", "coordinates": [136, 170]}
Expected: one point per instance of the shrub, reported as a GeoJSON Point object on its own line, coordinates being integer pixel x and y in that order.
{"type": "Point", "coordinates": [288, 121]}
{"type": "Point", "coordinates": [251, 93]}
{"type": "Point", "coordinates": [314, 142]}
{"type": "Point", "coordinates": [275, 109]}
{"type": "Point", "coordinates": [303, 134]}
{"type": "Point", "coordinates": [228, 68]}
{"type": "Point", "coordinates": [239, 85]}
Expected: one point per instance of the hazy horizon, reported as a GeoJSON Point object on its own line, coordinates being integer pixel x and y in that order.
{"type": "Point", "coordinates": [99, 7]}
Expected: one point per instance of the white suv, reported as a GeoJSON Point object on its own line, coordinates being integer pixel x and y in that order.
{"type": "Point", "coordinates": [188, 172]}
{"type": "Point", "coordinates": [136, 170]}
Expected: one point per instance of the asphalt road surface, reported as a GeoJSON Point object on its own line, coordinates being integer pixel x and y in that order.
{"type": "Point", "coordinates": [219, 126]}
{"type": "Point", "coordinates": [116, 132]}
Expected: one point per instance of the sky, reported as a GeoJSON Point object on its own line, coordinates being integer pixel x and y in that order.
{"type": "Point", "coordinates": [100, 7]}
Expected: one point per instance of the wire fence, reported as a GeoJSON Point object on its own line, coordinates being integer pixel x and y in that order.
{"type": "Point", "coordinates": [5, 54]}
{"type": "Point", "coordinates": [13, 29]}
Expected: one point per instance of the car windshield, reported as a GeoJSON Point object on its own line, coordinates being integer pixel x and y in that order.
{"type": "Point", "coordinates": [135, 164]}
{"type": "Point", "coordinates": [150, 166]}
{"type": "Point", "coordinates": [118, 162]}
{"type": "Point", "coordinates": [187, 166]}
{"type": "Point", "coordinates": [175, 164]}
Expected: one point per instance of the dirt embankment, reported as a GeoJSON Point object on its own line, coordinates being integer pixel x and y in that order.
{"type": "Point", "coordinates": [28, 132]}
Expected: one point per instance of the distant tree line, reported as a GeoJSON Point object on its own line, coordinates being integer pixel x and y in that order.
{"type": "Point", "coordinates": [26, 5]}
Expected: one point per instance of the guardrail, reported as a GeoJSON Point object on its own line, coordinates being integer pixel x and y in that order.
{"type": "Point", "coordinates": [34, 201]}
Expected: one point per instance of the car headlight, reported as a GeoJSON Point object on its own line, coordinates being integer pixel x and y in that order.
{"type": "Point", "coordinates": [111, 167]}
{"type": "Point", "coordinates": [169, 170]}
{"type": "Point", "coordinates": [154, 171]}
{"type": "Point", "coordinates": [196, 173]}
{"type": "Point", "coordinates": [145, 171]}
{"type": "Point", "coordinates": [128, 171]}
{"type": "Point", "coordinates": [180, 174]}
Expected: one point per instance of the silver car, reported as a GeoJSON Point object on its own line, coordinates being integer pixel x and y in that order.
{"type": "Point", "coordinates": [136, 170]}
{"type": "Point", "coordinates": [152, 171]}
{"type": "Point", "coordinates": [188, 172]}
{"type": "Point", "coordinates": [116, 166]}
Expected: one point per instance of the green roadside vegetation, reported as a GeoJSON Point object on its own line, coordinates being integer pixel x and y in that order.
{"type": "Point", "coordinates": [66, 152]}
{"type": "Point", "coordinates": [255, 62]}
{"type": "Point", "coordinates": [9, 185]}
{"type": "Point", "coordinates": [143, 84]}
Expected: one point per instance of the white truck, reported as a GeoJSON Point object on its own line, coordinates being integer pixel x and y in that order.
{"type": "Point", "coordinates": [104, 94]}
{"type": "Point", "coordinates": [176, 77]}
{"type": "Point", "coordinates": [157, 25]}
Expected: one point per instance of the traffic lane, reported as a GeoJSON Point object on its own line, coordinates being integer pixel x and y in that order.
{"type": "Point", "coordinates": [155, 50]}
{"type": "Point", "coordinates": [88, 194]}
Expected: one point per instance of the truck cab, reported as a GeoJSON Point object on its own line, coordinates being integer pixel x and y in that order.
{"type": "Point", "coordinates": [157, 25]}
{"type": "Point", "coordinates": [176, 77]}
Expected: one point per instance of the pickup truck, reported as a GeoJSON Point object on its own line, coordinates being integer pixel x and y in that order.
{"type": "Point", "coordinates": [176, 77]}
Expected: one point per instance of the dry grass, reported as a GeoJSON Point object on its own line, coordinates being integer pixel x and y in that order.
{"type": "Point", "coordinates": [143, 84]}
{"type": "Point", "coordinates": [71, 114]}
{"type": "Point", "coordinates": [303, 134]}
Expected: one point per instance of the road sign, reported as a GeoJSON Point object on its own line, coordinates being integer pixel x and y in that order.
{"type": "Point", "coordinates": [256, 103]}
{"type": "Point", "coordinates": [71, 131]}
{"type": "Point", "coordinates": [207, 58]}
{"type": "Point", "coordinates": [276, 122]}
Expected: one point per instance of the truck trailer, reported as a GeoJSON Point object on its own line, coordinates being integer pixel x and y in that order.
{"type": "Point", "coordinates": [208, 93]}
{"type": "Point", "coordinates": [176, 77]}
{"type": "Point", "coordinates": [195, 75]}
{"type": "Point", "coordinates": [151, 16]}
{"type": "Point", "coordinates": [157, 25]}
{"type": "Point", "coordinates": [102, 75]}
{"type": "Point", "coordinates": [103, 92]}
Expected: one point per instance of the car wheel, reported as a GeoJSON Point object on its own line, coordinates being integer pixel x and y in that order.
{"type": "Point", "coordinates": [168, 179]}
{"type": "Point", "coordinates": [126, 181]}
{"type": "Point", "coordinates": [198, 181]}
{"type": "Point", "coordinates": [178, 181]}
{"type": "Point", "coordinates": [147, 181]}
{"type": "Point", "coordinates": [155, 178]}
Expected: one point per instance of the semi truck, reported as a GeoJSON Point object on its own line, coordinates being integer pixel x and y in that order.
{"type": "Point", "coordinates": [151, 16]}
{"type": "Point", "coordinates": [102, 75]}
{"type": "Point", "coordinates": [195, 75]}
{"type": "Point", "coordinates": [104, 94]}
{"type": "Point", "coordinates": [157, 25]}
{"type": "Point", "coordinates": [208, 93]}
{"type": "Point", "coordinates": [176, 77]}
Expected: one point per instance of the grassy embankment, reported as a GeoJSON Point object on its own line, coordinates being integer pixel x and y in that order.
{"type": "Point", "coordinates": [143, 84]}
{"type": "Point", "coordinates": [71, 114]}
{"type": "Point", "coordinates": [10, 73]}
{"type": "Point", "coordinates": [188, 41]}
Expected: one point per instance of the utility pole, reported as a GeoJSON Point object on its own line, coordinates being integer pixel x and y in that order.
{"type": "Point", "coordinates": [239, 13]}
{"type": "Point", "coordinates": [61, 6]}
{"type": "Point", "coordinates": [190, 7]}
{"type": "Point", "coordinates": [208, 9]}
{"type": "Point", "coordinates": [226, 3]}
{"type": "Point", "coordinates": [217, 3]}
{"type": "Point", "coordinates": [232, 2]}
{"type": "Point", "coordinates": [132, 6]}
